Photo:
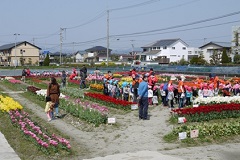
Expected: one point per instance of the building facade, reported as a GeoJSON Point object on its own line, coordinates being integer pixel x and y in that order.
{"type": "Point", "coordinates": [19, 54]}
{"type": "Point", "coordinates": [172, 50]}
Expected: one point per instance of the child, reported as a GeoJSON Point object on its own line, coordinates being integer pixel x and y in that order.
{"type": "Point", "coordinates": [49, 108]}
{"type": "Point", "coordinates": [170, 96]}
{"type": "Point", "coordinates": [188, 95]}
{"type": "Point", "coordinates": [155, 95]}
{"type": "Point", "coordinates": [163, 95]}
{"type": "Point", "coordinates": [126, 91]}
{"type": "Point", "coordinates": [150, 95]}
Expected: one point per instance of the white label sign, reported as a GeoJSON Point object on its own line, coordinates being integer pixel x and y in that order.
{"type": "Point", "coordinates": [134, 106]}
{"type": "Point", "coordinates": [111, 120]}
{"type": "Point", "coordinates": [195, 105]}
{"type": "Point", "coordinates": [182, 120]}
{"type": "Point", "coordinates": [182, 135]}
{"type": "Point", "coordinates": [194, 133]}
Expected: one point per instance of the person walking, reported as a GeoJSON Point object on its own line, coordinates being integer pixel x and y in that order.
{"type": "Point", "coordinates": [64, 79]}
{"type": "Point", "coordinates": [83, 77]}
{"type": "Point", "coordinates": [53, 91]}
{"type": "Point", "coordinates": [143, 98]}
{"type": "Point", "coordinates": [24, 73]}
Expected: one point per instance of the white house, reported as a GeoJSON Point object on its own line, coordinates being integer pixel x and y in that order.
{"type": "Point", "coordinates": [79, 56]}
{"type": "Point", "coordinates": [236, 40]}
{"type": "Point", "coordinates": [218, 47]}
{"type": "Point", "coordinates": [193, 52]}
{"type": "Point", "coordinates": [172, 49]}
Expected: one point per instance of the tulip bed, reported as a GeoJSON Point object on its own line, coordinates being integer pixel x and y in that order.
{"type": "Point", "coordinates": [209, 112]}
{"type": "Point", "coordinates": [40, 137]}
{"type": "Point", "coordinates": [208, 130]}
{"type": "Point", "coordinates": [209, 117]}
{"type": "Point", "coordinates": [89, 112]}
{"type": "Point", "coordinates": [109, 101]}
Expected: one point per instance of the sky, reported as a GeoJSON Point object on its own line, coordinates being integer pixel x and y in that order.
{"type": "Point", "coordinates": [126, 24]}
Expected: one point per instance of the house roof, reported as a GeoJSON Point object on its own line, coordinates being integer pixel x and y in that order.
{"type": "Point", "coordinates": [220, 44]}
{"type": "Point", "coordinates": [80, 52]}
{"type": "Point", "coordinates": [164, 42]}
{"type": "Point", "coordinates": [97, 48]}
{"type": "Point", "coordinates": [12, 45]}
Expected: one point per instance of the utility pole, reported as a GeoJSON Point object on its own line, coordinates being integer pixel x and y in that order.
{"type": "Point", "coordinates": [16, 34]}
{"type": "Point", "coordinates": [107, 36]}
{"type": "Point", "coordinates": [33, 41]}
{"type": "Point", "coordinates": [61, 41]}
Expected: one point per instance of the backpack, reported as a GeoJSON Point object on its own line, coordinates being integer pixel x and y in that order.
{"type": "Point", "coordinates": [165, 87]}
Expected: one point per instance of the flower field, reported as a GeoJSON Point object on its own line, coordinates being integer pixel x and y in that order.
{"type": "Point", "coordinates": [45, 142]}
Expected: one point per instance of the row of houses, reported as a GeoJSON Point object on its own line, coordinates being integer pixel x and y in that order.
{"type": "Point", "coordinates": [166, 51]}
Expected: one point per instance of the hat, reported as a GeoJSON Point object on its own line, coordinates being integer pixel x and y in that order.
{"type": "Point", "coordinates": [173, 78]}
{"type": "Point", "coordinates": [182, 77]}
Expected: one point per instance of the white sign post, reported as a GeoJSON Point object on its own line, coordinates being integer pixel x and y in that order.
{"type": "Point", "coordinates": [111, 120]}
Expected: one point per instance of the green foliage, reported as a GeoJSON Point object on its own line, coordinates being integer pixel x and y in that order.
{"type": "Point", "coordinates": [236, 59]}
{"type": "Point", "coordinates": [198, 60]}
{"type": "Point", "coordinates": [215, 58]}
{"type": "Point", "coordinates": [225, 58]}
{"type": "Point", "coordinates": [46, 60]}
{"type": "Point", "coordinates": [183, 62]}
{"type": "Point", "coordinates": [86, 114]}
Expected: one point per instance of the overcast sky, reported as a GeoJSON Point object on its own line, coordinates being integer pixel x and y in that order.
{"type": "Point", "coordinates": [132, 23]}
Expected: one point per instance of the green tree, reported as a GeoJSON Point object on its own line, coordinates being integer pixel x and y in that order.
{"type": "Point", "coordinates": [215, 58]}
{"type": "Point", "coordinates": [236, 59]}
{"type": "Point", "coordinates": [225, 58]}
{"type": "Point", "coordinates": [198, 60]}
{"type": "Point", "coordinates": [183, 62]}
{"type": "Point", "coordinates": [46, 60]}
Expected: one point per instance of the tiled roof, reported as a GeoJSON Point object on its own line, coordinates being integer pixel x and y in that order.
{"type": "Point", "coordinates": [162, 43]}
{"type": "Point", "coordinates": [97, 48]}
{"type": "Point", "coordinates": [220, 44]}
{"type": "Point", "coordinates": [12, 45]}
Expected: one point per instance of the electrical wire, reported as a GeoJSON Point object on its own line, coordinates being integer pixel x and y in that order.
{"type": "Point", "coordinates": [182, 25]}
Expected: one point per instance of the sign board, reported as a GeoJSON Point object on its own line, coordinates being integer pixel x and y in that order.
{"type": "Point", "coordinates": [194, 133]}
{"type": "Point", "coordinates": [134, 106]}
{"type": "Point", "coordinates": [195, 105]}
{"type": "Point", "coordinates": [182, 120]}
{"type": "Point", "coordinates": [111, 120]}
{"type": "Point", "coordinates": [182, 135]}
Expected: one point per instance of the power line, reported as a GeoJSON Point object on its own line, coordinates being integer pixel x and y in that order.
{"type": "Point", "coordinates": [90, 21]}
{"type": "Point", "coordinates": [181, 30]}
{"type": "Point", "coordinates": [159, 10]}
{"type": "Point", "coordinates": [135, 5]}
{"type": "Point", "coordinates": [183, 25]}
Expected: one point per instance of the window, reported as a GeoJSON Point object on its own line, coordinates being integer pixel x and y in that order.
{"type": "Point", "coordinates": [184, 48]}
{"type": "Point", "coordinates": [158, 48]}
{"type": "Point", "coordinates": [153, 48]}
{"type": "Point", "coordinates": [189, 52]}
{"type": "Point", "coordinates": [165, 47]}
{"type": "Point", "coordinates": [173, 55]}
{"type": "Point", "coordinates": [173, 47]}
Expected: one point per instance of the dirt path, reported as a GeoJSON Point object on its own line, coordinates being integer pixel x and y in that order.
{"type": "Point", "coordinates": [130, 135]}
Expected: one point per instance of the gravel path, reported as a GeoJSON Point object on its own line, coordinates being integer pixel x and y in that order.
{"type": "Point", "coordinates": [130, 135]}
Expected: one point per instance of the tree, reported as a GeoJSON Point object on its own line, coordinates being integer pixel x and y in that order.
{"type": "Point", "coordinates": [183, 62]}
{"type": "Point", "coordinates": [215, 58]}
{"type": "Point", "coordinates": [236, 59]}
{"type": "Point", "coordinates": [225, 58]}
{"type": "Point", "coordinates": [198, 60]}
{"type": "Point", "coordinates": [29, 61]}
{"type": "Point", "coordinates": [46, 60]}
